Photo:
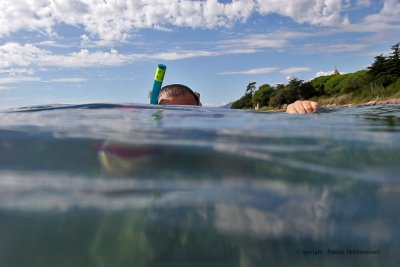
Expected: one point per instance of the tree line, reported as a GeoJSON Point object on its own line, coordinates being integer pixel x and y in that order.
{"type": "Point", "coordinates": [381, 79]}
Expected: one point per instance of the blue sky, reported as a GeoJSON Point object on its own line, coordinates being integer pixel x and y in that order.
{"type": "Point", "coordinates": [86, 51]}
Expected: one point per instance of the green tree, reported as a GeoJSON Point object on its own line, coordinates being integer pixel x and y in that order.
{"type": "Point", "coordinates": [250, 88]}
{"type": "Point", "coordinates": [306, 90]}
{"type": "Point", "coordinates": [396, 50]}
{"type": "Point", "coordinates": [298, 89]}
{"type": "Point", "coordinates": [333, 86]}
{"type": "Point", "coordinates": [393, 62]}
{"type": "Point", "coordinates": [292, 90]}
{"type": "Point", "coordinates": [243, 103]}
{"type": "Point", "coordinates": [287, 94]}
{"type": "Point", "coordinates": [262, 95]}
{"type": "Point", "coordinates": [279, 86]}
{"type": "Point", "coordinates": [283, 96]}
{"type": "Point", "coordinates": [385, 71]}
{"type": "Point", "coordinates": [379, 67]}
{"type": "Point", "coordinates": [380, 79]}
{"type": "Point", "coordinates": [353, 82]}
{"type": "Point", "coordinates": [319, 84]}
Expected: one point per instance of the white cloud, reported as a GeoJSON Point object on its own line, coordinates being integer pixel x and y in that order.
{"type": "Point", "coordinates": [31, 15]}
{"type": "Point", "coordinates": [291, 70]}
{"type": "Point", "coordinates": [323, 73]}
{"type": "Point", "coordinates": [294, 70]}
{"type": "Point", "coordinates": [181, 55]}
{"type": "Point", "coordinates": [107, 21]}
{"type": "Point", "coordinates": [18, 79]}
{"type": "Point", "coordinates": [333, 48]}
{"type": "Point", "coordinates": [169, 56]}
{"type": "Point", "coordinates": [387, 19]}
{"type": "Point", "coordinates": [326, 73]}
{"type": "Point", "coordinates": [14, 54]}
{"type": "Point", "coordinates": [250, 71]}
{"type": "Point", "coordinates": [254, 42]}
{"type": "Point", "coordinates": [17, 55]}
{"type": "Point", "coordinates": [389, 13]}
{"type": "Point", "coordinates": [51, 43]}
{"type": "Point", "coordinates": [265, 70]}
{"type": "Point", "coordinates": [16, 71]}
{"type": "Point", "coordinates": [277, 39]}
{"type": "Point", "coordinates": [322, 12]}
{"type": "Point", "coordinates": [68, 80]}
{"type": "Point", "coordinates": [117, 20]}
{"type": "Point", "coordinates": [83, 58]}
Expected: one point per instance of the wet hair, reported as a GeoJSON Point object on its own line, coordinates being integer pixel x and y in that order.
{"type": "Point", "coordinates": [177, 90]}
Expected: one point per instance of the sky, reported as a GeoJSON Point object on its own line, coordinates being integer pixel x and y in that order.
{"type": "Point", "coordinates": [107, 51]}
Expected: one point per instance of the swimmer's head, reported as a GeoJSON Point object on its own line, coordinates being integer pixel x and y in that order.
{"type": "Point", "coordinates": [178, 94]}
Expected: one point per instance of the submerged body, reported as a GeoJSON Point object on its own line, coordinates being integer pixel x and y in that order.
{"type": "Point", "coordinates": [118, 185]}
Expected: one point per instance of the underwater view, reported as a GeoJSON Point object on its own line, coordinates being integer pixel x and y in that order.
{"type": "Point", "coordinates": [141, 185]}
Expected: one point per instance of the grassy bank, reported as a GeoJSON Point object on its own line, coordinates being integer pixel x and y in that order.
{"type": "Point", "coordinates": [381, 81]}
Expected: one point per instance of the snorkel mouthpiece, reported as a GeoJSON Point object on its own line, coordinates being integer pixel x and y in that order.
{"type": "Point", "coordinates": [158, 80]}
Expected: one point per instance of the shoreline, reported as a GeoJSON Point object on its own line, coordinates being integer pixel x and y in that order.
{"type": "Point", "coordinates": [394, 101]}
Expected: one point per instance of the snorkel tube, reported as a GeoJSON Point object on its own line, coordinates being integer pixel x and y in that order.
{"type": "Point", "coordinates": [158, 80]}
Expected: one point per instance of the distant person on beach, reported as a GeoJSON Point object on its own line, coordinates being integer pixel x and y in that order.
{"type": "Point", "coordinates": [179, 94]}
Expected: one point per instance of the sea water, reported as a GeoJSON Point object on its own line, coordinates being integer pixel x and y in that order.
{"type": "Point", "coordinates": [140, 185]}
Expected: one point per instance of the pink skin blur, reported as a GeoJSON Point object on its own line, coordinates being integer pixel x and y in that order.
{"type": "Point", "coordinates": [302, 107]}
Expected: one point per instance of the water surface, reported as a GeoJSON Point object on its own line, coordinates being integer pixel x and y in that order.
{"type": "Point", "coordinates": [139, 185]}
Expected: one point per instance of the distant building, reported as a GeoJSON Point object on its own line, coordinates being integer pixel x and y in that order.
{"type": "Point", "coordinates": [335, 72]}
